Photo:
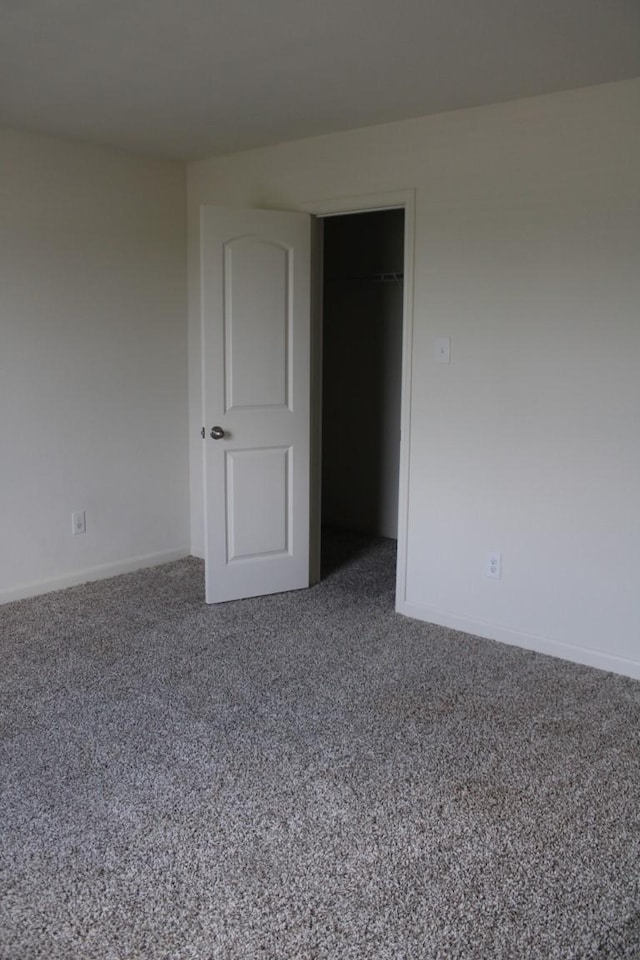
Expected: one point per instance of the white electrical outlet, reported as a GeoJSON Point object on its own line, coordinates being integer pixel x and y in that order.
{"type": "Point", "coordinates": [78, 522]}
{"type": "Point", "coordinates": [494, 566]}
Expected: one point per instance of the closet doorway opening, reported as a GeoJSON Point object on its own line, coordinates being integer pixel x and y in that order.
{"type": "Point", "coordinates": [362, 368]}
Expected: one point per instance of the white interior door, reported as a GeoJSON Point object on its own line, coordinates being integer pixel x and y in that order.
{"type": "Point", "coordinates": [256, 389]}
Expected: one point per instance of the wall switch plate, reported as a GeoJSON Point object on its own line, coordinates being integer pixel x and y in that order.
{"type": "Point", "coordinates": [493, 568]}
{"type": "Point", "coordinates": [442, 349]}
{"type": "Point", "coordinates": [78, 522]}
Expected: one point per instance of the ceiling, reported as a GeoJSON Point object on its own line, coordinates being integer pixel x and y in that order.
{"type": "Point", "coordinates": [192, 78]}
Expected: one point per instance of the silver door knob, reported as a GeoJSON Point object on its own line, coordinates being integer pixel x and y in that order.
{"type": "Point", "coordinates": [217, 433]}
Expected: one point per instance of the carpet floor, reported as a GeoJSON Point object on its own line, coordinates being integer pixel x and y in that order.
{"type": "Point", "coordinates": [306, 776]}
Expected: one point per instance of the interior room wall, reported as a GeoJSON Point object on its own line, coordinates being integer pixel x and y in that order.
{"type": "Point", "coordinates": [527, 443]}
{"type": "Point", "coordinates": [362, 371]}
{"type": "Point", "coordinates": [93, 362]}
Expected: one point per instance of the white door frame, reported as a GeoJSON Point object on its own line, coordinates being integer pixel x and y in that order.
{"type": "Point", "coordinates": [340, 206]}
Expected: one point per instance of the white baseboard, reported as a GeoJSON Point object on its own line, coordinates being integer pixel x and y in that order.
{"type": "Point", "coordinates": [100, 572]}
{"type": "Point", "coordinates": [554, 648]}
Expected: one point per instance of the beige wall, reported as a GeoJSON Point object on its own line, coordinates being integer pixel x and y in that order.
{"type": "Point", "coordinates": [93, 362]}
{"type": "Point", "coordinates": [527, 255]}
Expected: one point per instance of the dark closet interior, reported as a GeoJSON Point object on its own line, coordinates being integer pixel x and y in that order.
{"type": "Point", "coordinates": [362, 371]}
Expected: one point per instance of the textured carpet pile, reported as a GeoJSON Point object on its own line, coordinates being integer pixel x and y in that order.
{"type": "Point", "coordinates": [306, 777]}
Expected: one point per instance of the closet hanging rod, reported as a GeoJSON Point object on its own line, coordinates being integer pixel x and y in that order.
{"type": "Point", "coordinates": [387, 277]}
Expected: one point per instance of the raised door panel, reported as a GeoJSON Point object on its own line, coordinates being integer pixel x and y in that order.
{"type": "Point", "coordinates": [258, 503]}
{"type": "Point", "coordinates": [257, 323]}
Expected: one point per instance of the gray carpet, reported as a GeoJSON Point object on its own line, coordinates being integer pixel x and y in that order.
{"type": "Point", "coordinates": [306, 776]}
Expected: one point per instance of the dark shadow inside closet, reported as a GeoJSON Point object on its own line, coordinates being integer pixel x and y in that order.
{"type": "Point", "coordinates": [362, 375]}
